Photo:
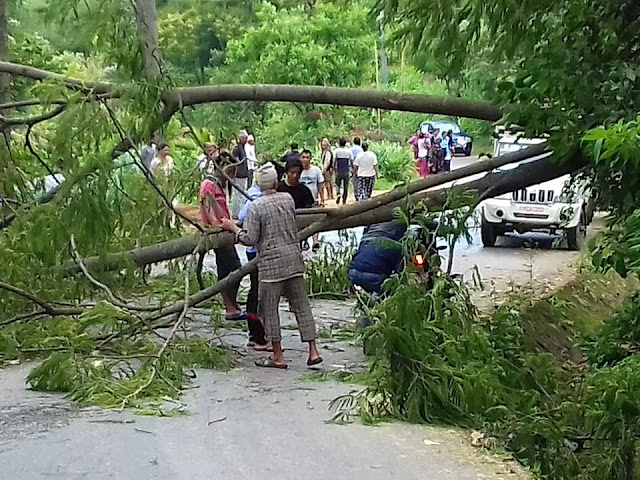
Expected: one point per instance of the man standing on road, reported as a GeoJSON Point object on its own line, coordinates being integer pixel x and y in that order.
{"type": "Point", "coordinates": [302, 196]}
{"type": "Point", "coordinates": [355, 151]}
{"type": "Point", "coordinates": [366, 168]}
{"type": "Point", "coordinates": [252, 158]}
{"type": "Point", "coordinates": [241, 175]}
{"type": "Point", "coordinates": [213, 212]}
{"type": "Point", "coordinates": [312, 178]}
{"type": "Point", "coordinates": [301, 192]}
{"type": "Point", "coordinates": [271, 226]}
{"type": "Point", "coordinates": [257, 335]}
{"type": "Point", "coordinates": [343, 159]}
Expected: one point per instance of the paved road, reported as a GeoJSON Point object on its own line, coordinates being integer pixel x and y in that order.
{"type": "Point", "coordinates": [245, 424]}
{"type": "Point", "coordinates": [518, 261]}
{"type": "Point", "coordinates": [264, 422]}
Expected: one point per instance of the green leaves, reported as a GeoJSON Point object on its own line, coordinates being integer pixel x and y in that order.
{"type": "Point", "coordinates": [293, 47]}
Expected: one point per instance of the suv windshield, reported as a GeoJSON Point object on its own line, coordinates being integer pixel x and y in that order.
{"type": "Point", "coordinates": [504, 148]}
{"type": "Point", "coordinates": [446, 126]}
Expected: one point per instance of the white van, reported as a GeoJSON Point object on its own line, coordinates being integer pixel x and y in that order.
{"type": "Point", "coordinates": [551, 207]}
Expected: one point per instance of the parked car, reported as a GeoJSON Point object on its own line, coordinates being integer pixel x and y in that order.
{"type": "Point", "coordinates": [462, 143]}
{"type": "Point", "coordinates": [551, 207]}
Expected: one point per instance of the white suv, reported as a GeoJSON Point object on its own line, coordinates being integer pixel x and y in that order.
{"type": "Point", "coordinates": [550, 207]}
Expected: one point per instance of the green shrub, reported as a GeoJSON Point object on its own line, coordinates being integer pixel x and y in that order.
{"type": "Point", "coordinates": [395, 161]}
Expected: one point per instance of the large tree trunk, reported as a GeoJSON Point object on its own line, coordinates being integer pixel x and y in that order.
{"type": "Point", "coordinates": [492, 184]}
{"type": "Point", "coordinates": [148, 33]}
{"type": "Point", "coordinates": [353, 97]}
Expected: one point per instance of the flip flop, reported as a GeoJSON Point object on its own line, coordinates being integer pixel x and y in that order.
{"type": "Point", "coordinates": [316, 361]}
{"type": "Point", "coordinates": [236, 316]}
{"type": "Point", "coordinates": [266, 348]}
{"type": "Point", "coordinates": [269, 363]}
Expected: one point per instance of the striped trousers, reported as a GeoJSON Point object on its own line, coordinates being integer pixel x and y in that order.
{"type": "Point", "coordinates": [295, 291]}
{"type": "Point", "coordinates": [365, 187]}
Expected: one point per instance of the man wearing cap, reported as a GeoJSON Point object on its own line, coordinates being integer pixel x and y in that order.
{"type": "Point", "coordinates": [241, 174]}
{"type": "Point", "coordinates": [271, 227]}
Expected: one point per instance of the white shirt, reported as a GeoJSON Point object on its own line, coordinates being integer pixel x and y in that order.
{"type": "Point", "coordinates": [252, 159]}
{"type": "Point", "coordinates": [312, 179]}
{"type": "Point", "coordinates": [423, 151]}
{"type": "Point", "coordinates": [158, 167]}
{"type": "Point", "coordinates": [52, 181]}
{"type": "Point", "coordinates": [366, 163]}
{"type": "Point", "coordinates": [202, 164]}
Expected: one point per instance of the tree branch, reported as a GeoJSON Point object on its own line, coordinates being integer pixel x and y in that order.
{"type": "Point", "coordinates": [183, 97]}
{"type": "Point", "coordinates": [118, 302]}
{"type": "Point", "coordinates": [7, 122]}
{"type": "Point", "coordinates": [178, 98]}
{"type": "Point", "coordinates": [47, 307]}
{"type": "Point", "coordinates": [38, 74]}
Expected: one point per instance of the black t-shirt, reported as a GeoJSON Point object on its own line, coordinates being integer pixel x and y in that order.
{"type": "Point", "coordinates": [302, 196]}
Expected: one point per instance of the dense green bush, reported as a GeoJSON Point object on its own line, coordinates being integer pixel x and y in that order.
{"type": "Point", "coordinates": [395, 161]}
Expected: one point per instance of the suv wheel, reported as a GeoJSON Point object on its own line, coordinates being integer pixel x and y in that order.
{"type": "Point", "coordinates": [467, 150]}
{"type": "Point", "coordinates": [488, 233]}
{"type": "Point", "coordinates": [577, 235]}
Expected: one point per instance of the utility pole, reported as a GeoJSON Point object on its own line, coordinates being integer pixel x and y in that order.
{"type": "Point", "coordinates": [384, 70]}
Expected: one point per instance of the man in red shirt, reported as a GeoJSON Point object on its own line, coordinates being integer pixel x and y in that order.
{"type": "Point", "coordinates": [213, 209]}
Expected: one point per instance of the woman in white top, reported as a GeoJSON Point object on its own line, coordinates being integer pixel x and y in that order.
{"type": "Point", "coordinates": [163, 163]}
{"type": "Point", "coordinates": [366, 166]}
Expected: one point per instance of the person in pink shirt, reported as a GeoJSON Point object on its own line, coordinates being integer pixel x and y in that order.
{"type": "Point", "coordinates": [213, 209]}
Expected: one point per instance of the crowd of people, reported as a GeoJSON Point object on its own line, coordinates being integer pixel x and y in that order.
{"type": "Point", "coordinates": [432, 151]}
{"type": "Point", "coordinates": [257, 204]}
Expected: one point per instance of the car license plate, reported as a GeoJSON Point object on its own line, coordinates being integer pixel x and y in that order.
{"type": "Point", "coordinates": [533, 209]}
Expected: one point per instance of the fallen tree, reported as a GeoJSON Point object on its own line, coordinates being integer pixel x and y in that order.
{"type": "Point", "coordinates": [178, 98]}
{"type": "Point", "coordinates": [352, 215]}
{"type": "Point", "coordinates": [492, 184]}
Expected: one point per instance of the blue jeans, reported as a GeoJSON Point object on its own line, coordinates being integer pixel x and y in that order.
{"type": "Point", "coordinates": [370, 282]}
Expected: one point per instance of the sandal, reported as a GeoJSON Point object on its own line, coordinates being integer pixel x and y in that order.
{"type": "Point", "coordinates": [315, 361]}
{"type": "Point", "coordinates": [265, 348]}
{"type": "Point", "coordinates": [269, 363]}
{"type": "Point", "coordinates": [236, 316]}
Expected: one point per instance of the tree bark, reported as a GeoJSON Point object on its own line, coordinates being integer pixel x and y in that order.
{"type": "Point", "coordinates": [183, 97]}
{"type": "Point", "coordinates": [5, 79]}
{"type": "Point", "coordinates": [148, 33]}
{"type": "Point", "coordinates": [152, 254]}
{"type": "Point", "coordinates": [98, 88]}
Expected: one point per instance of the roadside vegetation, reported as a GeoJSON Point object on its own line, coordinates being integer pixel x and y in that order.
{"type": "Point", "coordinates": [563, 400]}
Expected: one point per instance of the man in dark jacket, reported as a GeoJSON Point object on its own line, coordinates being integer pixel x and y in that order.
{"type": "Point", "coordinates": [376, 259]}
